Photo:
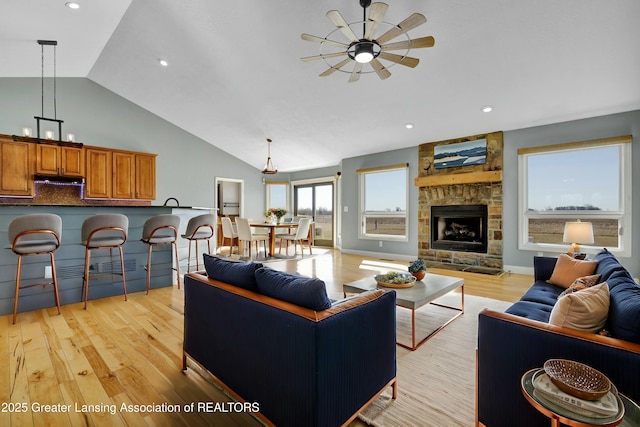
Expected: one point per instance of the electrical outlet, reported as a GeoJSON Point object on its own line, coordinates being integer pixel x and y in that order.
{"type": "Point", "coordinates": [380, 243]}
{"type": "Point", "coordinates": [47, 272]}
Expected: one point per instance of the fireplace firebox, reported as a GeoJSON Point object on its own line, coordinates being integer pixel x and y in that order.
{"type": "Point", "coordinates": [459, 228]}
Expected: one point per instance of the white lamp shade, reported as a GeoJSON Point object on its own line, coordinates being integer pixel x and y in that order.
{"type": "Point", "coordinates": [578, 232]}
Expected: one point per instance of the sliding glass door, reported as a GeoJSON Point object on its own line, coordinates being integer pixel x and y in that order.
{"type": "Point", "coordinates": [316, 200]}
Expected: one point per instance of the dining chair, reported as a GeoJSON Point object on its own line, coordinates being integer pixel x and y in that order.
{"type": "Point", "coordinates": [246, 235]}
{"type": "Point", "coordinates": [228, 232]}
{"type": "Point", "coordinates": [301, 234]}
{"type": "Point", "coordinates": [35, 234]}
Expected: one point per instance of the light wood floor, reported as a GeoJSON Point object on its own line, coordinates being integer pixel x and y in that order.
{"type": "Point", "coordinates": [130, 353]}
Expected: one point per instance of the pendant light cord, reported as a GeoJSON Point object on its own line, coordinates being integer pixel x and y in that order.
{"type": "Point", "coordinates": [55, 104]}
{"type": "Point", "coordinates": [42, 79]}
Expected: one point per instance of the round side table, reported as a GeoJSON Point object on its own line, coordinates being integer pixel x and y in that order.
{"type": "Point", "coordinates": [561, 416]}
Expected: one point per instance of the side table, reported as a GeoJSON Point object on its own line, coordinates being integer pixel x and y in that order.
{"type": "Point", "coordinates": [561, 416]}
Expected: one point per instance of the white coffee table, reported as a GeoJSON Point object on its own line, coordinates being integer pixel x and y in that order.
{"type": "Point", "coordinates": [424, 292]}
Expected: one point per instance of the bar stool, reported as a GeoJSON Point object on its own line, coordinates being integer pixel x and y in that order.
{"type": "Point", "coordinates": [161, 230]}
{"type": "Point", "coordinates": [35, 234]}
{"type": "Point", "coordinates": [103, 231]}
{"type": "Point", "coordinates": [199, 227]}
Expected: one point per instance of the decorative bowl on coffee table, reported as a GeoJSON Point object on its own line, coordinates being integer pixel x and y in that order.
{"type": "Point", "coordinates": [395, 280]}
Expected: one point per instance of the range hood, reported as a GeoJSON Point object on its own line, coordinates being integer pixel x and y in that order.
{"type": "Point", "coordinates": [58, 179]}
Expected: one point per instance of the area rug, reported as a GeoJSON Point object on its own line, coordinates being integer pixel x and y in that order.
{"type": "Point", "coordinates": [436, 383]}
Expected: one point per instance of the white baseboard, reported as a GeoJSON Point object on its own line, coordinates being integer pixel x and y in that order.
{"type": "Point", "coordinates": [516, 269]}
{"type": "Point", "coordinates": [381, 255]}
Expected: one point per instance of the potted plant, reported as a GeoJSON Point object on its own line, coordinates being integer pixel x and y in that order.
{"type": "Point", "coordinates": [278, 213]}
{"type": "Point", "coordinates": [418, 269]}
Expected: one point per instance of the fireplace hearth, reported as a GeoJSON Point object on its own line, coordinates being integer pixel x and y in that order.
{"type": "Point", "coordinates": [459, 228]}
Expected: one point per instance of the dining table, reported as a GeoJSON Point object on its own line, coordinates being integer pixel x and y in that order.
{"type": "Point", "coordinates": [272, 231]}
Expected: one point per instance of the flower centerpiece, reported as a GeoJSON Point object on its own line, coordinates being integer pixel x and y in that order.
{"type": "Point", "coordinates": [418, 269]}
{"type": "Point", "coordinates": [276, 213]}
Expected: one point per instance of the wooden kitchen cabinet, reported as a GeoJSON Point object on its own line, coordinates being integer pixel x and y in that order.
{"type": "Point", "coordinates": [146, 176]}
{"type": "Point", "coordinates": [60, 160]}
{"type": "Point", "coordinates": [16, 164]}
{"type": "Point", "coordinates": [119, 174]}
{"type": "Point", "coordinates": [124, 178]}
{"type": "Point", "coordinates": [99, 179]}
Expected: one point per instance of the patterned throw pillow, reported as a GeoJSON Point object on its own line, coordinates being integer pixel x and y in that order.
{"type": "Point", "coordinates": [581, 283]}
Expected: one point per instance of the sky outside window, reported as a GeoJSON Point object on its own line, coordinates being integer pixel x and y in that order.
{"type": "Point", "coordinates": [580, 178]}
{"type": "Point", "coordinates": [386, 191]}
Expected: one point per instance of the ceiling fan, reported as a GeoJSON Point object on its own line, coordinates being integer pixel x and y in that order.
{"type": "Point", "coordinates": [369, 48]}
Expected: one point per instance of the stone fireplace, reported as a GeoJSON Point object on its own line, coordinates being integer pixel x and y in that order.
{"type": "Point", "coordinates": [460, 210]}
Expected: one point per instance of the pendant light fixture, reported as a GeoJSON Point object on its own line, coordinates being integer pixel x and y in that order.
{"type": "Point", "coordinates": [268, 168]}
{"type": "Point", "coordinates": [42, 44]}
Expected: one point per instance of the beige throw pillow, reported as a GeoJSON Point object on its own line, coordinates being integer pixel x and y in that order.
{"type": "Point", "coordinates": [568, 269]}
{"type": "Point", "coordinates": [586, 310]}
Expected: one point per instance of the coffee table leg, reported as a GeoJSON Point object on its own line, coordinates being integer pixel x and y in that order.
{"type": "Point", "coordinates": [413, 329]}
{"type": "Point", "coordinates": [415, 346]}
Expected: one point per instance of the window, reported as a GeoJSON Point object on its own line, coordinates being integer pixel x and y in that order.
{"type": "Point", "coordinates": [589, 181]}
{"type": "Point", "coordinates": [383, 202]}
{"type": "Point", "coordinates": [277, 195]}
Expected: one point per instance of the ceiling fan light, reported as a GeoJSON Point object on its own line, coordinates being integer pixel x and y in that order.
{"type": "Point", "coordinates": [364, 52]}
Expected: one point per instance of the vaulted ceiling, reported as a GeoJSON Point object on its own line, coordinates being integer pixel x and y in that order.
{"type": "Point", "coordinates": [235, 76]}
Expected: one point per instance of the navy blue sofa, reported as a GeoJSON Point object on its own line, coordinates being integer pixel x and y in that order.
{"type": "Point", "coordinates": [302, 367]}
{"type": "Point", "coordinates": [511, 343]}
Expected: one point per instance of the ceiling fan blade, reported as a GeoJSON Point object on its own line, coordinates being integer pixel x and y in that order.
{"type": "Point", "coordinates": [398, 59]}
{"type": "Point", "coordinates": [355, 74]}
{"type": "Point", "coordinates": [342, 25]}
{"type": "Point", "coordinates": [326, 55]}
{"type": "Point", "coordinates": [411, 22]}
{"type": "Point", "coordinates": [335, 68]}
{"type": "Point", "coordinates": [310, 38]}
{"type": "Point", "coordinates": [410, 44]}
{"type": "Point", "coordinates": [376, 14]}
{"type": "Point", "coordinates": [380, 69]}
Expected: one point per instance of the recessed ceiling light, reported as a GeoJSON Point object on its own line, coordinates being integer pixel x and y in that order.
{"type": "Point", "coordinates": [487, 108]}
{"type": "Point", "coordinates": [409, 125]}
{"type": "Point", "coordinates": [163, 62]}
{"type": "Point", "coordinates": [72, 5]}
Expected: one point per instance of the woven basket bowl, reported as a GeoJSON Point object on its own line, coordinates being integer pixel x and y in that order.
{"type": "Point", "coordinates": [576, 379]}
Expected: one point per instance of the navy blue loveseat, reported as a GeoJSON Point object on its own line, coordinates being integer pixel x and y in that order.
{"type": "Point", "coordinates": [511, 343]}
{"type": "Point", "coordinates": [303, 366]}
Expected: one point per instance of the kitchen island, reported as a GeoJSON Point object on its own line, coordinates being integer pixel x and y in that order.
{"type": "Point", "coordinates": [70, 256]}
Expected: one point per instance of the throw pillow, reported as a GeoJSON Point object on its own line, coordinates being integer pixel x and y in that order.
{"type": "Point", "coordinates": [241, 274]}
{"type": "Point", "coordinates": [568, 269]}
{"type": "Point", "coordinates": [585, 310]}
{"type": "Point", "coordinates": [303, 291]}
{"type": "Point", "coordinates": [581, 283]}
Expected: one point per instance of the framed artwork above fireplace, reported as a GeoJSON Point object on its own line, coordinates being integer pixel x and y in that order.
{"type": "Point", "coordinates": [460, 154]}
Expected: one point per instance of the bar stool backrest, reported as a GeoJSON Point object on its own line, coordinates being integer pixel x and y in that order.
{"type": "Point", "coordinates": [161, 223]}
{"type": "Point", "coordinates": [105, 230]}
{"type": "Point", "coordinates": [200, 227]}
{"type": "Point", "coordinates": [34, 222]}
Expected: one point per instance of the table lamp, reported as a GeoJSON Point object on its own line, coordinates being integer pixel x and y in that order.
{"type": "Point", "coordinates": [577, 232]}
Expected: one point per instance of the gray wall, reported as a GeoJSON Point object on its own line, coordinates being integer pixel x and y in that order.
{"type": "Point", "coordinates": [350, 219]}
{"type": "Point", "coordinates": [577, 130]}
{"type": "Point", "coordinates": [186, 165]}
